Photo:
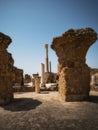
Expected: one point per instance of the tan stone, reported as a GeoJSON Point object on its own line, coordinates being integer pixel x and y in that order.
{"type": "Point", "coordinates": [27, 78]}
{"type": "Point", "coordinates": [94, 79]}
{"type": "Point", "coordinates": [50, 77]}
{"type": "Point", "coordinates": [18, 76]}
{"type": "Point", "coordinates": [37, 84]}
{"type": "Point", "coordinates": [6, 70]}
{"type": "Point", "coordinates": [74, 74]}
{"type": "Point", "coordinates": [47, 62]}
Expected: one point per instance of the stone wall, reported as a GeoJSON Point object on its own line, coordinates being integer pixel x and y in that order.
{"type": "Point", "coordinates": [18, 76]}
{"type": "Point", "coordinates": [74, 74]}
{"type": "Point", "coordinates": [6, 70]}
{"type": "Point", "coordinates": [94, 79]}
{"type": "Point", "coordinates": [27, 78]}
{"type": "Point", "coordinates": [49, 77]}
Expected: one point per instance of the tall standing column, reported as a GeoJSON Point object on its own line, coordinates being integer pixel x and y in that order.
{"type": "Point", "coordinates": [50, 66]}
{"type": "Point", "coordinates": [42, 73]}
{"type": "Point", "coordinates": [47, 68]}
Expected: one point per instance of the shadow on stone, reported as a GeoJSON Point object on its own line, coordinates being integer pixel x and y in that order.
{"type": "Point", "coordinates": [93, 99]}
{"type": "Point", "coordinates": [22, 104]}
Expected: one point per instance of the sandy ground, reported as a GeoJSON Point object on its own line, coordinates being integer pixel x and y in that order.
{"type": "Point", "coordinates": [31, 111]}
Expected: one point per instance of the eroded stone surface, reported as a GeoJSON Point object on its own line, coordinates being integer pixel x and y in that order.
{"type": "Point", "coordinates": [74, 74]}
{"type": "Point", "coordinates": [27, 78]}
{"type": "Point", "coordinates": [18, 76]}
{"type": "Point", "coordinates": [6, 70]}
{"type": "Point", "coordinates": [94, 79]}
{"type": "Point", "coordinates": [50, 77]}
{"type": "Point", "coordinates": [37, 84]}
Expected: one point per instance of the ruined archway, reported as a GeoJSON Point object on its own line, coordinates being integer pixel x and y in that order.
{"type": "Point", "coordinates": [74, 74]}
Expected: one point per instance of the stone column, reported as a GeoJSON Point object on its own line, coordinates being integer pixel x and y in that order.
{"type": "Point", "coordinates": [33, 82]}
{"type": "Point", "coordinates": [74, 74]}
{"type": "Point", "coordinates": [37, 84]}
{"type": "Point", "coordinates": [50, 66]}
{"type": "Point", "coordinates": [42, 73]}
{"type": "Point", "coordinates": [47, 68]}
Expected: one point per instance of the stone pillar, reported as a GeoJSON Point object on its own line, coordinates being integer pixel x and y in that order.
{"type": "Point", "coordinates": [47, 68]}
{"type": "Point", "coordinates": [6, 70]}
{"type": "Point", "coordinates": [74, 74]}
{"type": "Point", "coordinates": [42, 73]}
{"type": "Point", "coordinates": [50, 66]}
{"type": "Point", "coordinates": [37, 84]}
{"type": "Point", "coordinates": [33, 82]}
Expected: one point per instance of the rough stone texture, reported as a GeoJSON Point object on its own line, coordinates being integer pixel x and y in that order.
{"type": "Point", "coordinates": [33, 82]}
{"type": "Point", "coordinates": [6, 70]}
{"type": "Point", "coordinates": [50, 77]}
{"type": "Point", "coordinates": [33, 79]}
{"type": "Point", "coordinates": [94, 79]}
{"type": "Point", "coordinates": [27, 78]}
{"type": "Point", "coordinates": [35, 75]}
{"type": "Point", "coordinates": [74, 74]}
{"type": "Point", "coordinates": [18, 76]}
{"type": "Point", "coordinates": [37, 84]}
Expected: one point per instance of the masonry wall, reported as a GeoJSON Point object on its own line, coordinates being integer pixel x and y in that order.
{"type": "Point", "coordinates": [6, 70]}
{"type": "Point", "coordinates": [74, 74]}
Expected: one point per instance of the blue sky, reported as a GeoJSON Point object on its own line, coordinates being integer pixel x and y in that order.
{"type": "Point", "coordinates": [33, 23]}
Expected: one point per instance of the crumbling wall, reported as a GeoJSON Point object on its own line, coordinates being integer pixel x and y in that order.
{"type": "Point", "coordinates": [94, 79]}
{"type": "Point", "coordinates": [74, 74]}
{"type": "Point", "coordinates": [18, 76]}
{"type": "Point", "coordinates": [27, 78]}
{"type": "Point", "coordinates": [49, 77]}
{"type": "Point", "coordinates": [6, 70]}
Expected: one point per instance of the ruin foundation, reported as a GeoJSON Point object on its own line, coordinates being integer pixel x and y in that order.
{"type": "Point", "coordinates": [6, 71]}
{"type": "Point", "coordinates": [74, 74]}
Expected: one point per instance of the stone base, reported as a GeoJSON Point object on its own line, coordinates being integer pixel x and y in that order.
{"type": "Point", "coordinates": [72, 98]}
{"type": "Point", "coordinates": [37, 90]}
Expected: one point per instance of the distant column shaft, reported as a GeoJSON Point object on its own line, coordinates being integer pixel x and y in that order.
{"type": "Point", "coordinates": [47, 66]}
{"type": "Point", "coordinates": [42, 73]}
{"type": "Point", "coordinates": [50, 65]}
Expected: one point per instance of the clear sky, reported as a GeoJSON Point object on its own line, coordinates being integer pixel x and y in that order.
{"type": "Point", "coordinates": [33, 23]}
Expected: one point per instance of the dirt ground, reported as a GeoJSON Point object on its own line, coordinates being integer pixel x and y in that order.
{"type": "Point", "coordinates": [31, 111]}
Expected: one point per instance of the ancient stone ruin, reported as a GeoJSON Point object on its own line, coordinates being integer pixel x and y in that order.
{"type": "Point", "coordinates": [50, 77]}
{"type": "Point", "coordinates": [37, 84]}
{"type": "Point", "coordinates": [27, 78]}
{"type": "Point", "coordinates": [94, 79]}
{"type": "Point", "coordinates": [18, 76]}
{"type": "Point", "coordinates": [6, 70]}
{"type": "Point", "coordinates": [74, 74]}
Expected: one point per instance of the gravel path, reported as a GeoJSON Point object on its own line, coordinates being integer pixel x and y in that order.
{"type": "Point", "coordinates": [31, 111]}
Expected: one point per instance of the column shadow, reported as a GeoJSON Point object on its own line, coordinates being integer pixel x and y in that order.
{"type": "Point", "coordinates": [93, 98]}
{"type": "Point", "coordinates": [22, 104]}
